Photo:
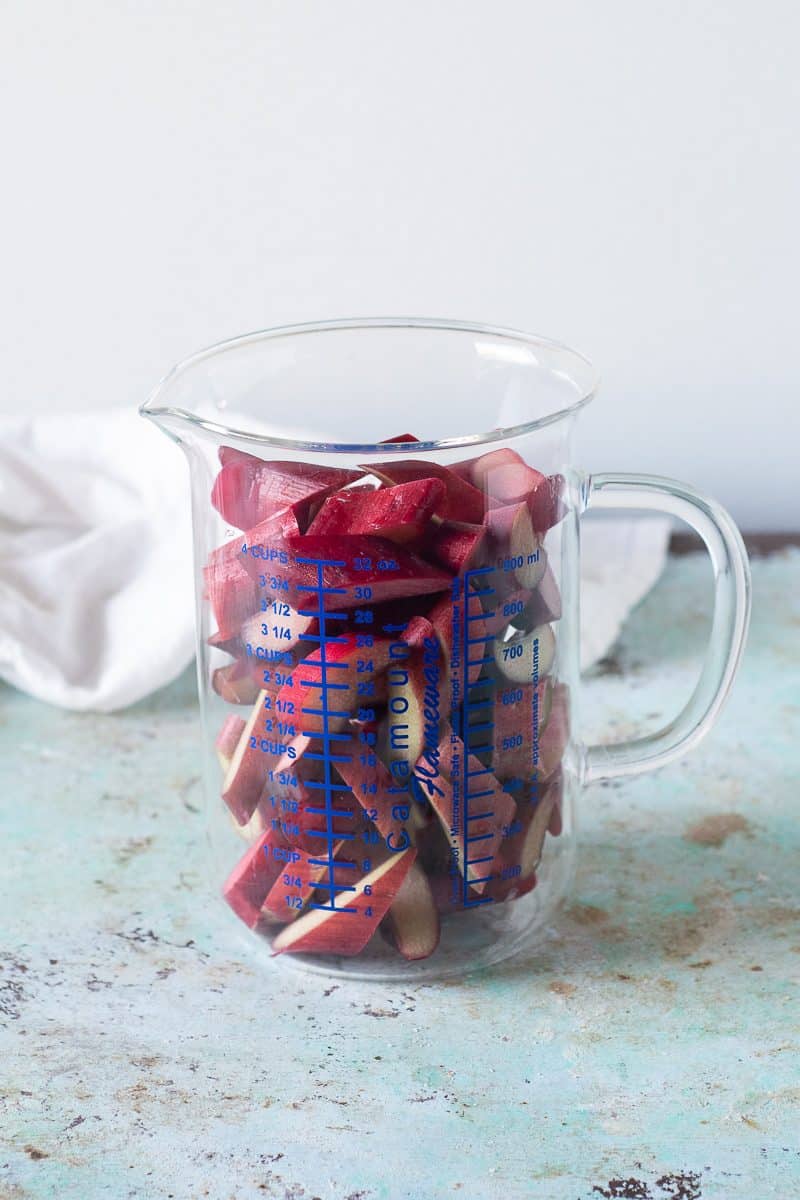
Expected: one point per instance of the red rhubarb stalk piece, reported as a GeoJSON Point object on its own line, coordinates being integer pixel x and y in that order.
{"type": "Point", "coordinates": [545, 603]}
{"type": "Point", "coordinates": [500, 519]}
{"type": "Point", "coordinates": [454, 547]}
{"type": "Point", "coordinates": [248, 490]}
{"type": "Point", "coordinates": [412, 922]}
{"type": "Point", "coordinates": [547, 503]}
{"type": "Point", "coordinates": [401, 437]}
{"type": "Point", "coordinates": [482, 470]}
{"type": "Point", "coordinates": [544, 502]}
{"type": "Point", "coordinates": [347, 926]}
{"type": "Point", "coordinates": [231, 591]}
{"type": "Point", "coordinates": [228, 739]}
{"type": "Point", "coordinates": [433, 846]}
{"type": "Point", "coordinates": [507, 480]}
{"type": "Point", "coordinates": [555, 825]}
{"type": "Point", "coordinates": [273, 633]}
{"type": "Point", "coordinates": [235, 683]}
{"type": "Point", "coordinates": [228, 645]}
{"type": "Point", "coordinates": [251, 879]}
{"type": "Point", "coordinates": [462, 502]}
{"type": "Point", "coordinates": [525, 608]}
{"type": "Point", "coordinates": [232, 580]}
{"type": "Point", "coordinates": [398, 513]}
{"type": "Point", "coordinates": [525, 548]}
{"type": "Point", "coordinates": [258, 760]}
{"type": "Point", "coordinates": [555, 735]}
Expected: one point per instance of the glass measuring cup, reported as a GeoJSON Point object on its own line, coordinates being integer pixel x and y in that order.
{"type": "Point", "coordinates": [386, 524]}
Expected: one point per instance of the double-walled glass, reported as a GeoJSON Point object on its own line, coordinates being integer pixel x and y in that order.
{"type": "Point", "coordinates": [386, 519]}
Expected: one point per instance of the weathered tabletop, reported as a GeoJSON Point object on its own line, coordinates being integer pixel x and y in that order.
{"type": "Point", "coordinates": [648, 1049]}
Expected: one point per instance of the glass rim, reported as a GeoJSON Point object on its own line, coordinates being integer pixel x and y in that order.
{"type": "Point", "coordinates": [154, 410]}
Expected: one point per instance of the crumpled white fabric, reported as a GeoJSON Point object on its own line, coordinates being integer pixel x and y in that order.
{"type": "Point", "coordinates": [621, 559]}
{"type": "Point", "coordinates": [96, 579]}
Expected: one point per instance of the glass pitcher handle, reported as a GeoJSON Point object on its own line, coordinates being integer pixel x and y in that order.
{"type": "Point", "coordinates": [728, 632]}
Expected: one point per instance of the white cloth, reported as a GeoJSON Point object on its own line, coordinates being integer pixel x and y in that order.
{"type": "Point", "coordinates": [96, 593]}
{"type": "Point", "coordinates": [96, 580]}
{"type": "Point", "coordinates": [621, 559]}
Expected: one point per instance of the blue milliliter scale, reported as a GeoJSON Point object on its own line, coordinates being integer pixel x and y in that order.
{"type": "Point", "coordinates": [476, 737]}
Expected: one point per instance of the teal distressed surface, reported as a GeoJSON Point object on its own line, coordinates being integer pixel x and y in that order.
{"type": "Point", "coordinates": [147, 1051]}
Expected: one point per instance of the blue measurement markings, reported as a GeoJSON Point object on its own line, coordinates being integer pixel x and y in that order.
{"type": "Point", "coordinates": [328, 737]}
{"type": "Point", "coordinates": [476, 734]}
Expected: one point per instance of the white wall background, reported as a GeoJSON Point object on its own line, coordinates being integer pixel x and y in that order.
{"type": "Point", "coordinates": [622, 176]}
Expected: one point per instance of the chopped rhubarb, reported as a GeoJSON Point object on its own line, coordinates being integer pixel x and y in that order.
{"type": "Point", "coordinates": [543, 502]}
{"type": "Point", "coordinates": [232, 593]}
{"type": "Point", "coordinates": [462, 502]}
{"type": "Point", "coordinates": [363, 611]}
{"type": "Point", "coordinates": [258, 761]}
{"type": "Point", "coordinates": [274, 633]}
{"type": "Point", "coordinates": [256, 826]}
{"type": "Point", "coordinates": [229, 644]}
{"type": "Point", "coordinates": [235, 683]}
{"type": "Point", "coordinates": [228, 739]}
{"type": "Point", "coordinates": [547, 503]}
{"type": "Point", "coordinates": [248, 490]}
{"type": "Point", "coordinates": [545, 603]}
{"type": "Point", "coordinates": [435, 856]}
{"type": "Point", "coordinates": [413, 919]}
{"type": "Point", "coordinates": [555, 736]}
{"type": "Point", "coordinates": [232, 582]}
{"type": "Point", "coordinates": [251, 879]}
{"type": "Point", "coordinates": [401, 437]}
{"type": "Point", "coordinates": [500, 519]}
{"type": "Point", "coordinates": [454, 547]}
{"type": "Point", "coordinates": [399, 513]}
{"type": "Point", "coordinates": [527, 550]}
{"type": "Point", "coordinates": [504, 475]}
{"type": "Point", "coordinates": [345, 925]}
{"type": "Point", "coordinates": [555, 825]}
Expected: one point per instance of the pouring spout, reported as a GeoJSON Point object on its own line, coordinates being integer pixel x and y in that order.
{"type": "Point", "coordinates": [174, 423]}
{"type": "Point", "coordinates": [163, 407]}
